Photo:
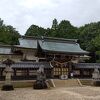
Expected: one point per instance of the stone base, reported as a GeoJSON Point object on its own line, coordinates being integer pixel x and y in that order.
{"type": "Point", "coordinates": [7, 87]}
{"type": "Point", "coordinates": [96, 82]}
{"type": "Point", "coordinates": [40, 85]}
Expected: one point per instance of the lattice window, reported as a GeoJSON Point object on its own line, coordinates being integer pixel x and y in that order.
{"type": "Point", "coordinates": [59, 71]}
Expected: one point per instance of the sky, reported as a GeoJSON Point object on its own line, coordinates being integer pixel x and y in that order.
{"type": "Point", "coordinates": [21, 14]}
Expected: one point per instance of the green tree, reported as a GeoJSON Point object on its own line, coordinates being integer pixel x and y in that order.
{"type": "Point", "coordinates": [35, 30]}
{"type": "Point", "coordinates": [96, 42]}
{"type": "Point", "coordinates": [1, 22]}
{"type": "Point", "coordinates": [66, 30]}
{"type": "Point", "coordinates": [87, 34]}
{"type": "Point", "coordinates": [8, 34]}
{"type": "Point", "coordinates": [55, 24]}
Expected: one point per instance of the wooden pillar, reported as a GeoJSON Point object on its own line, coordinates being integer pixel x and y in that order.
{"type": "Point", "coordinates": [52, 73]}
{"type": "Point", "coordinates": [27, 72]}
{"type": "Point", "coordinates": [69, 68]}
{"type": "Point", "coordinates": [61, 69]}
{"type": "Point", "coordinates": [81, 73]}
{"type": "Point", "coordinates": [2, 72]}
{"type": "Point", "coordinates": [14, 72]}
{"type": "Point", "coordinates": [90, 73]}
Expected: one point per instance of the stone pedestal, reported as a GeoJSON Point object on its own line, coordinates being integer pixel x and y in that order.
{"type": "Point", "coordinates": [96, 82]}
{"type": "Point", "coordinates": [7, 87]}
{"type": "Point", "coordinates": [40, 85]}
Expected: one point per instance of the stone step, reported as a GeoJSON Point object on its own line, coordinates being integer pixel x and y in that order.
{"type": "Point", "coordinates": [86, 82]}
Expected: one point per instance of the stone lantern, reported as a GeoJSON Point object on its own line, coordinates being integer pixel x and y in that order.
{"type": "Point", "coordinates": [96, 77]}
{"type": "Point", "coordinates": [40, 83]}
{"type": "Point", "coordinates": [8, 70]}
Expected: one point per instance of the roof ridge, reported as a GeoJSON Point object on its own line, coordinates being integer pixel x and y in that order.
{"type": "Point", "coordinates": [61, 38]}
{"type": "Point", "coordinates": [30, 37]}
{"type": "Point", "coordinates": [2, 45]}
{"type": "Point", "coordinates": [49, 38]}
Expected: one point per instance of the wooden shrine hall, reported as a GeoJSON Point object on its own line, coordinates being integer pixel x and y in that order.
{"type": "Point", "coordinates": [57, 55]}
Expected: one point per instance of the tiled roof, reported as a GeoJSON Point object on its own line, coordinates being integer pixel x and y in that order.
{"type": "Point", "coordinates": [63, 47]}
{"type": "Point", "coordinates": [28, 65]}
{"type": "Point", "coordinates": [87, 65]}
{"type": "Point", "coordinates": [5, 49]}
{"type": "Point", "coordinates": [47, 44]}
{"type": "Point", "coordinates": [27, 43]}
{"type": "Point", "coordinates": [52, 44]}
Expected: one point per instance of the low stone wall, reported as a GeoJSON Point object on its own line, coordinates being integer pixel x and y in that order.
{"type": "Point", "coordinates": [57, 82]}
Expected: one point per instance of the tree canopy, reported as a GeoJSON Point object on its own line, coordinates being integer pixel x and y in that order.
{"type": "Point", "coordinates": [63, 29]}
{"type": "Point", "coordinates": [88, 34]}
{"type": "Point", "coordinates": [8, 34]}
{"type": "Point", "coordinates": [35, 30]}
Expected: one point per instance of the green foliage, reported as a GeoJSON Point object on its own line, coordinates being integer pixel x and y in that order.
{"type": "Point", "coordinates": [55, 24]}
{"type": "Point", "coordinates": [8, 34]}
{"type": "Point", "coordinates": [88, 33]}
{"type": "Point", "coordinates": [64, 29]}
{"type": "Point", "coordinates": [1, 22]}
{"type": "Point", "coordinates": [98, 56]}
{"type": "Point", "coordinates": [35, 31]}
{"type": "Point", "coordinates": [96, 42]}
{"type": "Point", "coordinates": [90, 38]}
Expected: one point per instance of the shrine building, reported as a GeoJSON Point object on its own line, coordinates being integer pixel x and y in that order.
{"type": "Point", "coordinates": [58, 56]}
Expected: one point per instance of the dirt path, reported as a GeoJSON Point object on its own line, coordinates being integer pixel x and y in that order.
{"type": "Point", "coordinates": [70, 93]}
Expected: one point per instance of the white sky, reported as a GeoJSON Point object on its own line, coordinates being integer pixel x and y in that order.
{"type": "Point", "coordinates": [23, 13]}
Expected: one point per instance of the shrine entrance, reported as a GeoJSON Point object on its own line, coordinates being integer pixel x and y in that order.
{"type": "Point", "coordinates": [60, 69]}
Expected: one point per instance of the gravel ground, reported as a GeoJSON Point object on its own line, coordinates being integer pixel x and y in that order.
{"type": "Point", "coordinates": [70, 93]}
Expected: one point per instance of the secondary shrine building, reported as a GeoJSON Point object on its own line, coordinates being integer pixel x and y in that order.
{"type": "Point", "coordinates": [58, 56]}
